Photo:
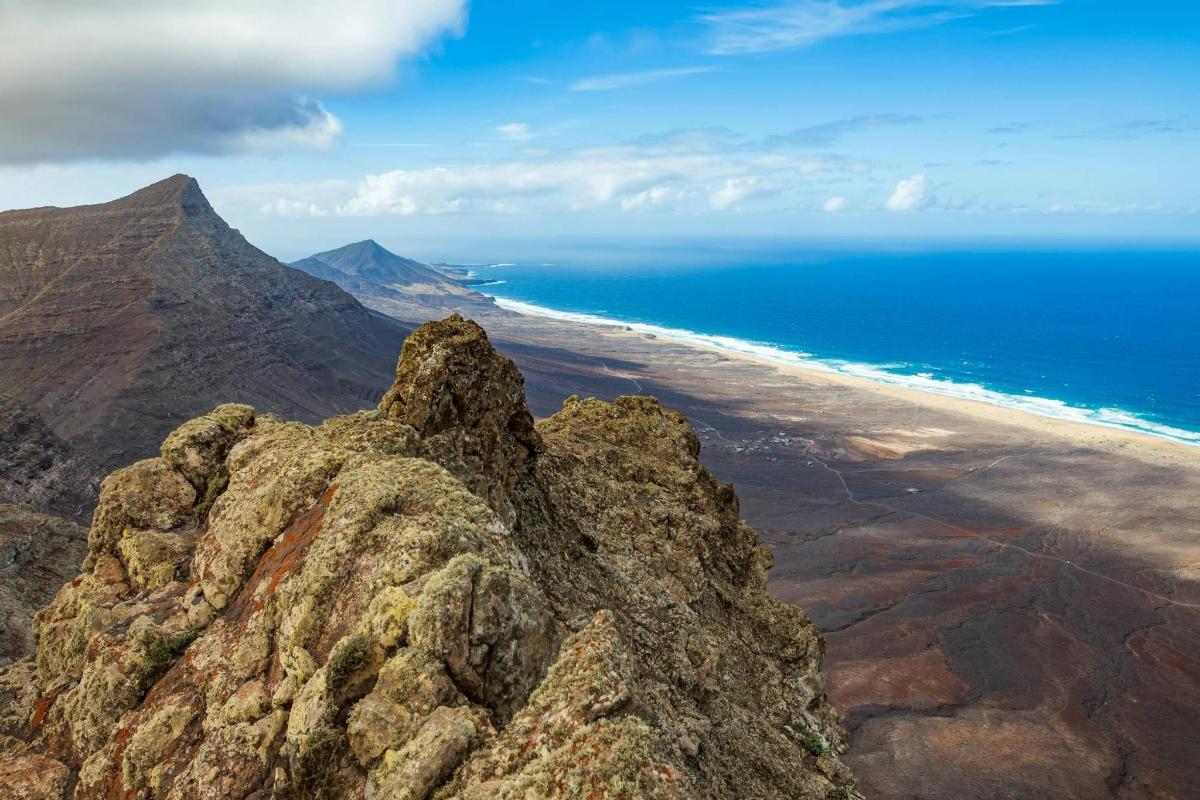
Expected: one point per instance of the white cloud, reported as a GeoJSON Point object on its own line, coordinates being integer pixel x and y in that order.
{"type": "Point", "coordinates": [624, 80]}
{"type": "Point", "coordinates": [515, 131]}
{"type": "Point", "coordinates": [735, 190]}
{"type": "Point", "coordinates": [285, 207]}
{"type": "Point", "coordinates": [835, 204]}
{"type": "Point", "coordinates": [627, 177]}
{"type": "Point", "coordinates": [142, 78]}
{"type": "Point", "coordinates": [801, 23]}
{"type": "Point", "coordinates": [655, 197]}
{"type": "Point", "coordinates": [911, 194]}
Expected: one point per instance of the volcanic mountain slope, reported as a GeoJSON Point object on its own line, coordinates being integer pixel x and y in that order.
{"type": "Point", "coordinates": [397, 286]}
{"type": "Point", "coordinates": [38, 553]}
{"type": "Point", "coordinates": [435, 599]}
{"type": "Point", "coordinates": [369, 261]}
{"type": "Point", "coordinates": [39, 469]}
{"type": "Point", "coordinates": [119, 320]}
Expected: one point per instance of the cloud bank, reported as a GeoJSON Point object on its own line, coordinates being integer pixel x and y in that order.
{"type": "Point", "coordinates": [681, 175]}
{"type": "Point", "coordinates": [141, 78]}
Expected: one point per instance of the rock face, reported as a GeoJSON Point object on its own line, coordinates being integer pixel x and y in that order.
{"type": "Point", "coordinates": [38, 553]}
{"type": "Point", "coordinates": [436, 599]}
{"type": "Point", "coordinates": [120, 320]}
{"type": "Point", "coordinates": [39, 469]}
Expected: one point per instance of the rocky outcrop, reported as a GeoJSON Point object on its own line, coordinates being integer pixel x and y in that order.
{"type": "Point", "coordinates": [435, 599]}
{"type": "Point", "coordinates": [38, 553]}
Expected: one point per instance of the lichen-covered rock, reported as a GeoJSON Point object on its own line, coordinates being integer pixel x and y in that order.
{"type": "Point", "coordinates": [198, 448]}
{"type": "Point", "coordinates": [468, 404]}
{"type": "Point", "coordinates": [430, 600]}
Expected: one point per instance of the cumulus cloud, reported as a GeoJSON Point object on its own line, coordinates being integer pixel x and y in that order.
{"type": "Point", "coordinates": [515, 131]}
{"type": "Point", "coordinates": [735, 190]}
{"type": "Point", "coordinates": [801, 23]}
{"type": "Point", "coordinates": [835, 204]}
{"type": "Point", "coordinates": [141, 78]}
{"type": "Point", "coordinates": [655, 197]}
{"type": "Point", "coordinates": [628, 178]}
{"type": "Point", "coordinates": [911, 194]}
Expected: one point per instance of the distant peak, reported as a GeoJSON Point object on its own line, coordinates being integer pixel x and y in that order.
{"type": "Point", "coordinates": [180, 191]}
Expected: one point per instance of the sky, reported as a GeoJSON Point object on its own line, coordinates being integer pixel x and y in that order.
{"type": "Point", "coordinates": [507, 129]}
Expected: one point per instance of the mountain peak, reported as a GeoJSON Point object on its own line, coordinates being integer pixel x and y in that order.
{"type": "Point", "coordinates": [370, 247]}
{"type": "Point", "coordinates": [125, 313]}
{"type": "Point", "coordinates": [368, 260]}
{"type": "Point", "coordinates": [178, 191]}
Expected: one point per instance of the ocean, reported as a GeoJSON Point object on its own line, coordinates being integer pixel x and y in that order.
{"type": "Point", "coordinates": [1110, 337]}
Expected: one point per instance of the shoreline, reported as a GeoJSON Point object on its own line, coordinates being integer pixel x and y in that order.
{"type": "Point", "coordinates": [1044, 415]}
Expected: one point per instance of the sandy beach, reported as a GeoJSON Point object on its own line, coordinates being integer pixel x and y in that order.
{"type": "Point", "coordinates": [1011, 602]}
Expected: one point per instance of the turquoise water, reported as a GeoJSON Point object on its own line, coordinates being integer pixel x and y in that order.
{"type": "Point", "coordinates": [1110, 337]}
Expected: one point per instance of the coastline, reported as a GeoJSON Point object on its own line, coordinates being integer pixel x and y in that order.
{"type": "Point", "coordinates": [1047, 417]}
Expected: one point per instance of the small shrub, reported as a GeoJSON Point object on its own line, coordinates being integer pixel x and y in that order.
{"type": "Point", "coordinates": [315, 766]}
{"type": "Point", "coordinates": [348, 657]}
{"type": "Point", "coordinates": [815, 744]}
{"type": "Point", "coordinates": [216, 485]}
{"type": "Point", "coordinates": [158, 651]}
{"type": "Point", "coordinates": [838, 793]}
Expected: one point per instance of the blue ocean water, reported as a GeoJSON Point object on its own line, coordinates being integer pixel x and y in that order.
{"type": "Point", "coordinates": [1106, 336]}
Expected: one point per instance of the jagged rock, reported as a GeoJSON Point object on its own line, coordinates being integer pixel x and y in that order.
{"type": "Point", "coordinates": [38, 552]}
{"type": "Point", "coordinates": [198, 448]}
{"type": "Point", "coordinates": [467, 402]}
{"type": "Point", "coordinates": [430, 600]}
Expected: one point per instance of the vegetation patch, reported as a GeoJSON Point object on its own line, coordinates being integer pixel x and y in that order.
{"type": "Point", "coordinates": [216, 485]}
{"type": "Point", "coordinates": [348, 657]}
{"type": "Point", "coordinates": [316, 765]}
{"type": "Point", "coordinates": [815, 744]}
{"type": "Point", "coordinates": [159, 649]}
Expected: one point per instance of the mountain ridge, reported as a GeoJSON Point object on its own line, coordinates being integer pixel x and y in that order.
{"type": "Point", "coordinates": [120, 319]}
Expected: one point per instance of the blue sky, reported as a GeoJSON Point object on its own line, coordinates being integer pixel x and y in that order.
{"type": "Point", "coordinates": [491, 131]}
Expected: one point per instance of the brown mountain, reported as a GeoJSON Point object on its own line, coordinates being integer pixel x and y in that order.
{"type": "Point", "coordinates": [370, 261]}
{"type": "Point", "coordinates": [399, 287]}
{"type": "Point", "coordinates": [119, 320]}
